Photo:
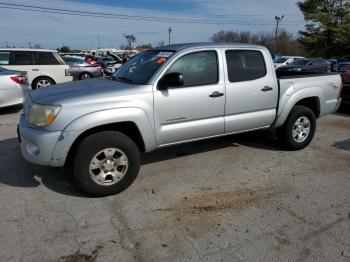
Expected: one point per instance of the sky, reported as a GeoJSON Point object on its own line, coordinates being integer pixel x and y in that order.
{"type": "Point", "coordinates": [190, 20]}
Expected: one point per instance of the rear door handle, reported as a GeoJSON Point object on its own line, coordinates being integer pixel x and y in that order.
{"type": "Point", "coordinates": [35, 70]}
{"type": "Point", "coordinates": [267, 89]}
{"type": "Point", "coordinates": [216, 94]}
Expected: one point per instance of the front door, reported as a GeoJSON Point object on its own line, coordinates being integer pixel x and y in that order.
{"type": "Point", "coordinates": [195, 110]}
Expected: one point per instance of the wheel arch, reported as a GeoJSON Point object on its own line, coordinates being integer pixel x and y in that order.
{"type": "Point", "coordinates": [128, 128]}
{"type": "Point", "coordinates": [309, 97]}
{"type": "Point", "coordinates": [42, 76]}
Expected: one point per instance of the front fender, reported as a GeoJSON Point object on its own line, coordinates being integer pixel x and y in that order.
{"type": "Point", "coordinates": [100, 118]}
{"type": "Point", "coordinates": [289, 100]}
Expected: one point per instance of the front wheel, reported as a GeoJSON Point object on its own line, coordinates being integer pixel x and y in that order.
{"type": "Point", "coordinates": [299, 128]}
{"type": "Point", "coordinates": [106, 163]}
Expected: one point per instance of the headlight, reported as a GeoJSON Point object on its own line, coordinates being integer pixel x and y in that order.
{"type": "Point", "coordinates": [296, 69]}
{"type": "Point", "coordinates": [42, 115]}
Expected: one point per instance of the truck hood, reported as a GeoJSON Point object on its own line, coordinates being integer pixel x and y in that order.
{"type": "Point", "coordinates": [84, 92]}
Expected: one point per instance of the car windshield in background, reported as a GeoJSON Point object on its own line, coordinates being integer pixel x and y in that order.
{"type": "Point", "coordinates": [142, 67]}
{"type": "Point", "coordinates": [300, 62]}
{"type": "Point", "coordinates": [107, 59]}
{"type": "Point", "coordinates": [281, 60]}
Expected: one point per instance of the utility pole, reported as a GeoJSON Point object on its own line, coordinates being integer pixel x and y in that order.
{"type": "Point", "coordinates": [278, 20]}
{"type": "Point", "coordinates": [98, 36]}
{"type": "Point", "coordinates": [169, 31]}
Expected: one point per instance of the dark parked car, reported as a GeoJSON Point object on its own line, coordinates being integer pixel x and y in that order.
{"type": "Point", "coordinates": [345, 94]}
{"type": "Point", "coordinates": [314, 66]}
{"type": "Point", "coordinates": [81, 69]}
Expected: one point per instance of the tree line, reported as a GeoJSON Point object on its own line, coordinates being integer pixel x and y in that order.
{"type": "Point", "coordinates": [326, 34]}
{"type": "Point", "coordinates": [287, 44]}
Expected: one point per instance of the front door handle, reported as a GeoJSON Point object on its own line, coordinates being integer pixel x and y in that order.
{"type": "Point", "coordinates": [267, 88]}
{"type": "Point", "coordinates": [216, 94]}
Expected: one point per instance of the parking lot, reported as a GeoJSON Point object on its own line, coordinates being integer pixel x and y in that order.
{"type": "Point", "coordinates": [240, 198]}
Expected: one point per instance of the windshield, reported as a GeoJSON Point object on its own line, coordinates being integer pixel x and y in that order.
{"type": "Point", "coordinates": [281, 60]}
{"type": "Point", "coordinates": [300, 62]}
{"type": "Point", "coordinates": [142, 67]}
{"type": "Point", "coordinates": [107, 59]}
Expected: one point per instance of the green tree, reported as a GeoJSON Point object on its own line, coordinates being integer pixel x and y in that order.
{"type": "Point", "coordinates": [130, 39]}
{"type": "Point", "coordinates": [145, 46]}
{"type": "Point", "coordinates": [64, 49]}
{"type": "Point", "coordinates": [287, 43]}
{"type": "Point", "coordinates": [328, 27]}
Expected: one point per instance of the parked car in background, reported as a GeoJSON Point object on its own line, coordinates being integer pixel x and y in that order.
{"type": "Point", "coordinates": [87, 58]}
{"type": "Point", "coordinates": [286, 60]}
{"type": "Point", "coordinates": [166, 96]}
{"type": "Point", "coordinates": [80, 69]}
{"type": "Point", "coordinates": [342, 67]}
{"type": "Point", "coordinates": [43, 67]}
{"type": "Point", "coordinates": [13, 86]}
{"type": "Point", "coordinates": [118, 59]}
{"type": "Point", "coordinates": [345, 94]}
{"type": "Point", "coordinates": [104, 61]}
{"type": "Point", "coordinates": [313, 66]}
{"type": "Point", "coordinates": [110, 69]}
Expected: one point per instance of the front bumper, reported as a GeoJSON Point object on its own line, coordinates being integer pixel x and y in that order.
{"type": "Point", "coordinates": [37, 146]}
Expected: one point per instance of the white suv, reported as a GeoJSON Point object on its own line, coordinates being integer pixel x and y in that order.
{"type": "Point", "coordinates": [44, 67]}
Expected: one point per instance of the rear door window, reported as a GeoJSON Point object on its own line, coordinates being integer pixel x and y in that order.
{"type": "Point", "coordinates": [23, 58]}
{"type": "Point", "coordinates": [245, 65]}
{"type": "Point", "coordinates": [46, 58]}
{"type": "Point", "coordinates": [4, 57]}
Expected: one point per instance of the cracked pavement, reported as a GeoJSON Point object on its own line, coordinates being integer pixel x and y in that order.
{"type": "Point", "coordinates": [239, 198]}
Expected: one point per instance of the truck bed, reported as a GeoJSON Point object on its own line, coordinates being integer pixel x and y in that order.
{"type": "Point", "coordinates": [292, 74]}
{"type": "Point", "coordinates": [324, 87]}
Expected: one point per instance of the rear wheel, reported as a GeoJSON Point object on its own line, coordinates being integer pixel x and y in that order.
{"type": "Point", "coordinates": [42, 82]}
{"type": "Point", "coordinates": [299, 128]}
{"type": "Point", "coordinates": [85, 75]}
{"type": "Point", "coordinates": [106, 163]}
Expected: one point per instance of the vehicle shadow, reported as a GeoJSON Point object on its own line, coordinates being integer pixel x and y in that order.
{"type": "Point", "coordinates": [10, 109]}
{"type": "Point", "coordinates": [262, 140]}
{"type": "Point", "coordinates": [16, 172]}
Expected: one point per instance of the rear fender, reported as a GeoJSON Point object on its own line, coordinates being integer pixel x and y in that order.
{"type": "Point", "coordinates": [290, 99]}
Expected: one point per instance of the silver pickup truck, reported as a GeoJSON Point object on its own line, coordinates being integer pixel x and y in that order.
{"type": "Point", "coordinates": [165, 96]}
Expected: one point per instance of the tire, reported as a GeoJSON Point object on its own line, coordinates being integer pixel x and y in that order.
{"type": "Point", "coordinates": [98, 174]}
{"type": "Point", "coordinates": [42, 82]}
{"type": "Point", "coordinates": [302, 136]}
{"type": "Point", "coordinates": [85, 75]}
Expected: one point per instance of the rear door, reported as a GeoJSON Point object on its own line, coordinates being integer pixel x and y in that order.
{"type": "Point", "coordinates": [49, 65]}
{"type": "Point", "coordinates": [24, 61]}
{"type": "Point", "coordinates": [251, 90]}
{"type": "Point", "coordinates": [192, 111]}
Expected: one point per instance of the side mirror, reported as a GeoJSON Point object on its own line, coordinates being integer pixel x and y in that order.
{"type": "Point", "coordinates": [171, 80]}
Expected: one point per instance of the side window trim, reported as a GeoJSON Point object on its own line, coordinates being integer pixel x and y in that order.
{"type": "Point", "coordinates": [190, 53]}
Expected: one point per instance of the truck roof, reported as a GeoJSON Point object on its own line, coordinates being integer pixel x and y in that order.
{"type": "Point", "coordinates": [179, 47]}
{"type": "Point", "coordinates": [27, 49]}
